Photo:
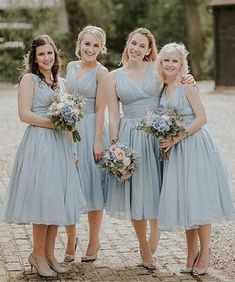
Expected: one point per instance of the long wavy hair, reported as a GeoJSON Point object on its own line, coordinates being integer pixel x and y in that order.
{"type": "Point", "coordinates": [30, 59]}
{"type": "Point", "coordinates": [152, 56]}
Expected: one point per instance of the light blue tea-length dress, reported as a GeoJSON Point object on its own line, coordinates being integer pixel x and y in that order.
{"type": "Point", "coordinates": [93, 178]}
{"type": "Point", "coordinates": [44, 186]}
{"type": "Point", "coordinates": [196, 186]}
{"type": "Point", "coordinates": [137, 198]}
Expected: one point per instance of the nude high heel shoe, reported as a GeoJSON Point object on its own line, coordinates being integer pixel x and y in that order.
{"type": "Point", "coordinates": [147, 265]}
{"type": "Point", "coordinates": [200, 271]}
{"type": "Point", "coordinates": [90, 258]}
{"type": "Point", "coordinates": [42, 272]}
{"type": "Point", "coordinates": [190, 269]}
{"type": "Point", "coordinates": [70, 258]}
{"type": "Point", "coordinates": [56, 266]}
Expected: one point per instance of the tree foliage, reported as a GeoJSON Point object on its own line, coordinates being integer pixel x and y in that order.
{"type": "Point", "coordinates": [165, 18]}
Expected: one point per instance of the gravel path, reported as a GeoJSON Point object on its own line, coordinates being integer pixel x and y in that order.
{"type": "Point", "coordinates": [171, 254]}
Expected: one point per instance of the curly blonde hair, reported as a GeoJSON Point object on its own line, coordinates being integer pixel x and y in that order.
{"type": "Point", "coordinates": [152, 56]}
{"type": "Point", "coordinates": [168, 48]}
{"type": "Point", "coordinates": [98, 32]}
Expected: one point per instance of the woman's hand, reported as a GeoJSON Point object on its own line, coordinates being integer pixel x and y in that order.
{"type": "Point", "coordinates": [166, 143]}
{"type": "Point", "coordinates": [98, 151]}
{"type": "Point", "coordinates": [188, 79]}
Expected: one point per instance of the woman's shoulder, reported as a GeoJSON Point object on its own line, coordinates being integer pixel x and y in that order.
{"type": "Point", "coordinates": [72, 63]}
{"type": "Point", "coordinates": [29, 78]}
{"type": "Point", "coordinates": [102, 70]}
{"type": "Point", "coordinates": [115, 72]}
{"type": "Point", "coordinates": [189, 89]}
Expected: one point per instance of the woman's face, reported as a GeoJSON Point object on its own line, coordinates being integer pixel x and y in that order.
{"type": "Point", "coordinates": [45, 57]}
{"type": "Point", "coordinates": [171, 63]}
{"type": "Point", "coordinates": [138, 47]}
{"type": "Point", "coordinates": [90, 47]}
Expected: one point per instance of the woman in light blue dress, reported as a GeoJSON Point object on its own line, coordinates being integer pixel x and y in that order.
{"type": "Point", "coordinates": [196, 190]}
{"type": "Point", "coordinates": [44, 187]}
{"type": "Point", "coordinates": [135, 86]}
{"type": "Point", "coordinates": [88, 78]}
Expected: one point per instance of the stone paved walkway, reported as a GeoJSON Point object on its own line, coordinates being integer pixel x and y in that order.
{"type": "Point", "coordinates": [118, 257]}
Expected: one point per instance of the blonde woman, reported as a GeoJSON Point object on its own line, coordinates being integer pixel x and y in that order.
{"type": "Point", "coordinates": [87, 77]}
{"type": "Point", "coordinates": [196, 190]}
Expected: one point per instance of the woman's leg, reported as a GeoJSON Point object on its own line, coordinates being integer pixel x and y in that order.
{"type": "Point", "coordinates": [192, 247]}
{"type": "Point", "coordinates": [50, 242]}
{"type": "Point", "coordinates": [204, 233]}
{"type": "Point", "coordinates": [50, 248]}
{"type": "Point", "coordinates": [95, 220]}
{"type": "Point", "coordinates": [71, 239]}
{"type": "Point", "coordinates": [154, 235]}
{"type": "Point", "coordinates": [140, 227]}
{"type": "Point", "coordinates": [39, 239]}
{"type": "Point", "coordinates": [38, 256]}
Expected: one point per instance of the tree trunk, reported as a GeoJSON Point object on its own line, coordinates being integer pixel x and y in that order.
{"type": "Point", "coordinates": [194, 35]}
{"type": "Point", "coordinates": [76, 21]}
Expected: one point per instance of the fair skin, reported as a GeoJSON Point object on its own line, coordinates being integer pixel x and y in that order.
{"type": "Point", "coordinates": [90, 47]}
{"type": "Point", "coordinates": [43, 235]}
{"type": "Point", "coordinates": [171, 65]}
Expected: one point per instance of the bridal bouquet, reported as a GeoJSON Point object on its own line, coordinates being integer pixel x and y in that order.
{"type": "Point", "coordinates": [65, 111]}
{"type": "Point", "coordinates": [163, 123]}
{"type": "Point", "coordinates": [119, 161]}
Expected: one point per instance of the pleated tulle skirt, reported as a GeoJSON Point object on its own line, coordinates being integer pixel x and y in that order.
{"type": "Point", "coordinates": [44, 186]}
{"type": "Point", "coordinates": [196, 186]}
{"type": "Point", "coordinates": [92, 176]}
{"type": "Point", "coordinates": [137, 198]}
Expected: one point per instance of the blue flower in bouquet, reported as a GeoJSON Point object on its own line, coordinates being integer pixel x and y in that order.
{"type": "Point", "coordinates": [162, 123]}
{"type": "Point", "coordinates": [65, 111]}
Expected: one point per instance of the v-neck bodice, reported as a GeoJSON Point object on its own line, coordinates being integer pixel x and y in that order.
{"type": "Point", "coordinates": [43, 95]}
{"type": "Point", "coordinates": [137, 98]}
{"type": "Point", "coordinates": [179, 100]}
{"type": "Point", "coordinates": [85, 86]}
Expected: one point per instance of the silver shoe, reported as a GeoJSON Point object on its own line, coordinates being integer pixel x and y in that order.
{"type": "Point", "coordinates": [147, 265]}
{"type": "Point", "coordinates": [200, 271]}
{"type": "Point", "coordinates": [90, 258]}
{"type": "Point", "coordinates": [190, 269]}
{"type": "Point", "coordinates": [70, 258]}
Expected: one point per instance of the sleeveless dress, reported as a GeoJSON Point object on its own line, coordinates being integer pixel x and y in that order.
{"type": "Point", "coordinates": [44, 186]}
{"type": "Point", "coordinates": [93, 178]}
{"type": "Point", "coordinates": [196, 186]}
{"type": "Point", "coordinates": [137, 198]}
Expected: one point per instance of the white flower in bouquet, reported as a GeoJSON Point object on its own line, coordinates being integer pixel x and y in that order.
{"type": "Point", "coordinates": [65, 111]}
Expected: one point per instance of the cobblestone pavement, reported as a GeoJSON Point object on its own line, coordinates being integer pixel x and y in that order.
{"type": "Point", "coordinates": [118, 257]}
